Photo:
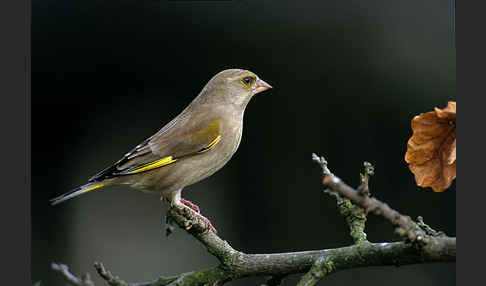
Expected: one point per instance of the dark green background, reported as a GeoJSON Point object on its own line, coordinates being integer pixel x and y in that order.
{"type": "Point", "coordinates": [348, 76]}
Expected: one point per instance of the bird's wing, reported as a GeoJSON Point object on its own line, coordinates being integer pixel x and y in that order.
{"type": "Point", "coordinates": [179, 139]}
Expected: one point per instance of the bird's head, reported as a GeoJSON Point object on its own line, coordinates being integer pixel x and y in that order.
{"type": "Point", "coordinates": [235, 86]}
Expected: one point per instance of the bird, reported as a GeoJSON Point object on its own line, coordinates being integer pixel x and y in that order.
{"type": "Point", "coordinates": [193, 146]}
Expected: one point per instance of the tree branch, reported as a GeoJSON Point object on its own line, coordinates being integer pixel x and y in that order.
{"type": "Point", "coordinates": [280, 264]}
{"type": "Point", "coordinates": [404, 224]}
{"type": "Point", "coordinates": [317, 263]}
{"type": "Point", "coordinates": [236, 264]}
{"type": "Point", "coordinates": [419, 234]}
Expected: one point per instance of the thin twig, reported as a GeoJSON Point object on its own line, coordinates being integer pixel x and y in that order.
{"type": "Point", "coordinates": [322, 267]}
{"type": "Point", "coordinates": [354, 215]}
{"type": "Point", "coordinates": [109, 278]}
{"type": "Point", "coordinates": [64, 270]}
{"type": "Point", "coordinates": [404, 224]}
{"type": "Point", "coordinates": [369, 171]}
{"type": "Point", "coordinates": [323, 163]}
{"type": "Point", "coordinates": [428, 229]}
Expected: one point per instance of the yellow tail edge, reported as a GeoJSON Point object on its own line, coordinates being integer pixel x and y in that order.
{"type": "Point", "coordinates": [76, 192]}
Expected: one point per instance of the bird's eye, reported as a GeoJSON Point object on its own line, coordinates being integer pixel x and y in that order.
{"type": "Point", "coordinates": [247, 80]}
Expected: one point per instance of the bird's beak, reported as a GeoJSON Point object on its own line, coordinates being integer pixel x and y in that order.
{"type": "Point", "coordinates": [260, 86]}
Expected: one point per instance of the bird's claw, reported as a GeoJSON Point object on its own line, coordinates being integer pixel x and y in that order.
{"type": "Point", "coordinates": [190, 205]}
{"type": "Point", "coordinates": [191, 209]}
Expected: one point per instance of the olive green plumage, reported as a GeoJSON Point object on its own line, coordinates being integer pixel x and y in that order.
{"type": "Point", "coordinates": [192, 147]}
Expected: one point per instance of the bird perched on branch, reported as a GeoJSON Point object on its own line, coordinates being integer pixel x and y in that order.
{"type": "Point", "coordinates": [190, 148]}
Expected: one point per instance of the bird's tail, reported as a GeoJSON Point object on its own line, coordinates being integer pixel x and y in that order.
{"type": "Point", "coordinates": [76, 192]}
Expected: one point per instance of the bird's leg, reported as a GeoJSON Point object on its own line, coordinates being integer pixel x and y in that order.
{"type": "Point", "coordinates": [178, 202]}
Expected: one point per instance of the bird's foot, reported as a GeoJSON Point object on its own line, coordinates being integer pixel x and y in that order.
{"type": "Point", "coordinates": [194, 209]}
{"type": "Point", "coordinates": [182, 204]}
{"type": "Point", "coordinates": [191, 205]}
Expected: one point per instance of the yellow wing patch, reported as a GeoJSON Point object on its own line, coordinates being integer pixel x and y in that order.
{"type": "Point", "coordinates": [155, 164]}
{"type": "Point", "coordinates": [212, 130]}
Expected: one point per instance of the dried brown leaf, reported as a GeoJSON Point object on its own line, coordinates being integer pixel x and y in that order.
{"type": "Point", "coordinates": [431, 151]}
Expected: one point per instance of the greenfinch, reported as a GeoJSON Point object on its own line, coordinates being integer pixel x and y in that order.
{"type": "Point", "coordinates": [191, 147]}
